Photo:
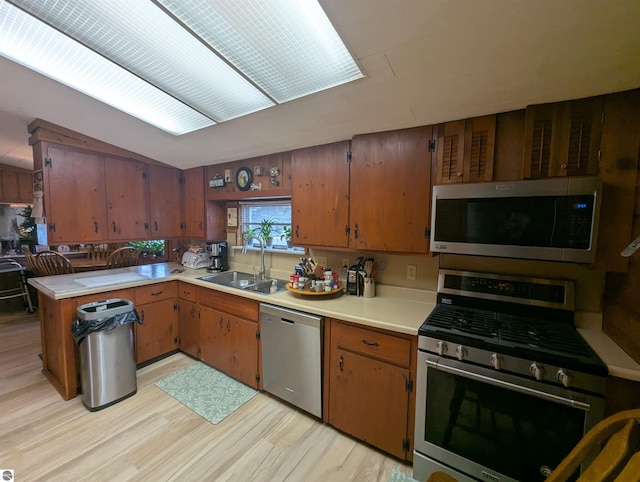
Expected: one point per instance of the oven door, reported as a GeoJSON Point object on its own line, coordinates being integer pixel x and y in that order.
{"type": "Point", "coordinates": [491, 425]}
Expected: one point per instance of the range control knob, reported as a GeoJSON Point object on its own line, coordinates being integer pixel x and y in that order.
{"type": "Point", "coordinates": [564, 377]}
{"type": "Point", "coordinates": [441, 348]}
{"type": "Point", "coordinates": [496, 361]}
{"type": "Point", "coordinates": [461, 352]}
{"type": "Point", "coordinates": [537, 371]}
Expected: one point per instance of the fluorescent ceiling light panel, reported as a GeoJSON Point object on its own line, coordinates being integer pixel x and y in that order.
{"type": "Point", "coordinates": [204, 61]}
{"type": "Point", "coordinates": [29, 42]}
{"type": "Point", "coordinates": [143, 39]}
{"type": "Point", "coordinates": [289, 48]}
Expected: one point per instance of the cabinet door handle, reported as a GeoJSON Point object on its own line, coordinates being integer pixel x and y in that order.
{"type": "Point", "coordinates": [355, 231]}
{"type": "Point", "coordinates": [95, 226]}
{"type": "Point", "coordinates": [114, 226]}
{"type": "Point", "coordinates": [193, 312]}
{"type": "Point", "coordinates": [200, 225]}
{"type": "Point", "coordinates": [297, 231]}
{"type": "Point", "coordinates": [369, 343]}
{"type": "Point", "coordinates": [221, 321]}
{"type": "Point", "coordinates": [341, 363]}
{"type": "Point", "coordinates": [142, 317]}
{"type": "Point", "coordinates": [155, 225]}
{"type": "Point", "coordinates": [228, 325]}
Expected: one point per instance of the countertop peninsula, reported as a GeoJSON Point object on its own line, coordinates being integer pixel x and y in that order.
{"type": "Point", "coordinates": [395, 309]}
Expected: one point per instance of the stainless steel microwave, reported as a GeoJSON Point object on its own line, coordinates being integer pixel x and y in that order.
{"type": "Point", "coordinates": [551, 219]}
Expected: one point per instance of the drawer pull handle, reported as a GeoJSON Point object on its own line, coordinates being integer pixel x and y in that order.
{"type": "Point", "coordinates": [375, 343]}
{"type": "Point", "coordinates": [157, 293]}
{"type": "Point", "coordinates": [341, 363]}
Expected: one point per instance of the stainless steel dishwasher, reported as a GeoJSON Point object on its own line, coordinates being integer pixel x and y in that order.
{"type": "Point", "coordinates": [292, 356]}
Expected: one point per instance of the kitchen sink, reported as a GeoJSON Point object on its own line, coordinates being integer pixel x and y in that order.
{"type": "Point", "coordinates": [230, 278]}
{"type": "Point", "coordinates": [265, 286]}
{"type": "Point", "coordinates": [245, 281]}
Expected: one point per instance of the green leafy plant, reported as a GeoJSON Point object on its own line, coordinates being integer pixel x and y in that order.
{"type": "Point", "coordinates": [153, 246]}
{"type": "Point", "coordinates": [265, 230]}
{"type": "Point", "coordinates": [287, 235]}
{"type": "Point", "coordinates": [247, 233]}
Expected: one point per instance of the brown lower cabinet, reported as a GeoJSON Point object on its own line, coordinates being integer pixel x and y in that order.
{"type": "Point", "coordinates": [158, 309]}
{"type": "Point", "coordinates": [370, 385]}
{"type": "Point", "coordinates": [369, 373]}
{"type": "Point", "coordinates": [189, 327]}
{"type": "Point", "coordinates": [189, 319]}
{"type": "Point", "coordinates": [229, 334]}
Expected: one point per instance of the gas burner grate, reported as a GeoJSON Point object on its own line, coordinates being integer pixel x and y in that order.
{"type": "Point", "coordinates": [543, 335]}
{"type": "Point", "coordinates": [464, 320]}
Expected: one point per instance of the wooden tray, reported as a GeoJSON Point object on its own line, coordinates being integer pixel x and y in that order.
{"type": "Point", "coordinates": [314, 293]}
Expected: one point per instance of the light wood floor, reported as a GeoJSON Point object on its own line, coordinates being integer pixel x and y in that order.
{"type": "Point", "coordinates": [150, 436]}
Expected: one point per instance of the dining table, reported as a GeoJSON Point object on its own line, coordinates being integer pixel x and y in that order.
{"type": "Point", "coordinates": [84, 263]}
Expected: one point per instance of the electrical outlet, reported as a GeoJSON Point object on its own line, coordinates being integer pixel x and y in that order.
{"type": "Point", "coordinates": [411, 271]}
{"type": "Point", "coordinates": [321, 260]}
{"type": "Point", "coordinates": [345, 262]}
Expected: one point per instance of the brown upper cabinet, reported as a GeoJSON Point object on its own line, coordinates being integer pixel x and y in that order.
{"type": "Point", "coordinates": [465, 150]}
{"type": "Point", "coordinates": [193, 203]}
{"type": "Point", "coordinates": [16, 185]}
{"type": "Point", "coordinates": [74, 194]}
{"type": "Point", "coordinates": [320, 195]}
{"type": "Point", "coordinates": [165, 202]}
{"type": "Point", "coordinates": [126, 191]}
{"type": "Point", "coordinates": [563, 138]}
{"type": "Point", "coordinates": [390, 190]}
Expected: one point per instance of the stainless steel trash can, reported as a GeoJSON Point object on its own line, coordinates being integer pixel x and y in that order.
{"type": "Point", "coordinates": [104, 331]}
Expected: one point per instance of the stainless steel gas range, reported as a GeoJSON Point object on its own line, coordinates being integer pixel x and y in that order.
{"type": "Point", "coordinates": [506, 385]}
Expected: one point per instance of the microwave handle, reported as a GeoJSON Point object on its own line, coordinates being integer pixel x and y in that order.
{"type": "Point", "coordinates": [510, 386]}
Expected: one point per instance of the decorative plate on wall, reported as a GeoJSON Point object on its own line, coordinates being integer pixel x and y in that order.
{"type": "Point", "coordinates": [244, 177]}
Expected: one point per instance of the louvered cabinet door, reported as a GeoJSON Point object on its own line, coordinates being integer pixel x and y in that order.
{"type": "Point", "coordinates": [450, 152]}
{"type": "Point", "coordinates": [479, 142]}
{"type": "Point", "coordinates": [541, 133]}
{"type": "Point", "coordinates": [580, 132]}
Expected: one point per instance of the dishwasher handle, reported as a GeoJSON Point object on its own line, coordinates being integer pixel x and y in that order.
{"type": "Point", "coordinates": [289, 322]}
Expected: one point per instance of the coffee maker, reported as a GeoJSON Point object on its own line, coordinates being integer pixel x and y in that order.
{"type": "Point", "coordinates": [218, 257]}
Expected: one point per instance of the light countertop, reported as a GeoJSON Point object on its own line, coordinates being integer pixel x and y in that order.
{"type": "Point", "coordinates": [395, 309]}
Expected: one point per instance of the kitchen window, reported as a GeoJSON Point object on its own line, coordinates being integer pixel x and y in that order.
{"type": "Point", "coordinates": [254, 213]}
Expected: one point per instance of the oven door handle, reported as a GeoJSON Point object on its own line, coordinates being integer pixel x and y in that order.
{"type": "Point", "coordinates": [510, 386]}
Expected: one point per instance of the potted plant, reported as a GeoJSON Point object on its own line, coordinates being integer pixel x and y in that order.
{"type": "Point", "coordinates": [153, 248]}
{"type": "Point", "coordinates": [287, 235]}
{"type": "Point", "coordinates": [265, 230]}
{"type": "Point", "coordinates": [247, 233]}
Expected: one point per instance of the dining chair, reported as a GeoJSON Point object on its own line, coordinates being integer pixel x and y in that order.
{"type": "Point", "coordinates": [123, 257]}
{"type": "Point", "coordinates": [51, 263]}
{"type": "Point", "coordinates": [99, 252]}
{"type": "Point", "coordinates": [613, 446]}
{"type": "Point", "coordinates": [30, 261]}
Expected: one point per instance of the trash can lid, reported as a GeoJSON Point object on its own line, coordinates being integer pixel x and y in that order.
{"type": "Point", "coordinates": [103, 309]}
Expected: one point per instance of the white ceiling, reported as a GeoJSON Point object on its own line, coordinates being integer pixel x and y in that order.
{"type": "Point", "coordinates": [425, 61]}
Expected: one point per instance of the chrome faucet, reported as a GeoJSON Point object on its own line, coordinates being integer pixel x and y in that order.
{"type": "Point", "coordinates": [260, 274]}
